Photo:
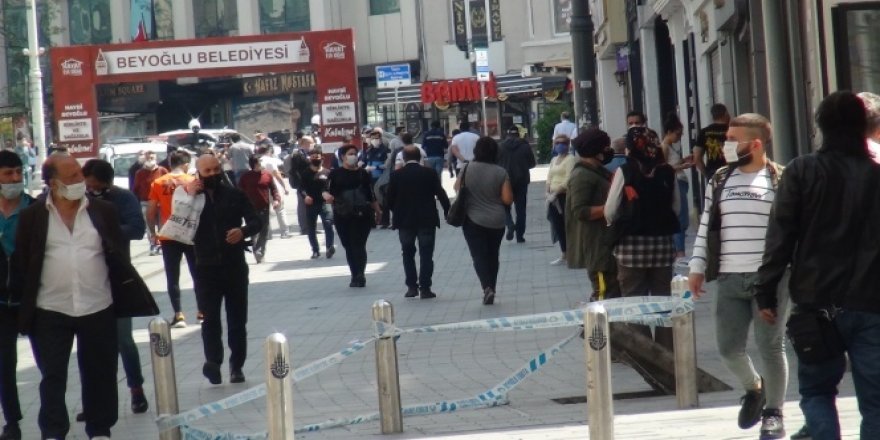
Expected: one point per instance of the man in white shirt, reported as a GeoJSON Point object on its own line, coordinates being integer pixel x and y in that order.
{"type": "Point", "coordinates": [238, 154]}
{"type": "Point", "coordinates": [408, 142]}
{"type": "Point", "coordinates": [271, 163]}
{"type": "Point", "coordinates": [463, 144]}
{"type": "Point", "coordinates": [737, 212]}
{"type": "Point", "coordinates": [565, 127]}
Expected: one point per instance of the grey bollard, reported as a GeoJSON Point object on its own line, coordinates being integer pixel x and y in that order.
{"type": "Point", "coordinates": [164, 377]}
{"type": "Point", "coordinates": [279, 388]}
{"type": "Point", "coordinates": [600, 406]}
{"type": "Point", "coordinates": [390, 414]}
{"type": "Point", "coordinates": [685, 352]}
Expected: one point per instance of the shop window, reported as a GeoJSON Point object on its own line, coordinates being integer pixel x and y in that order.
{"type": "Point", "coordinates": [382, 7]}
{"type": "Point", "coordinates": [164, 19]}
{"type": "Point", "coordinates": [89, 21]}
{"type": "Point", "coordinates": [284, 16]}
{"type": "Point", "coordinates": [215, 18]}
{"type": "Point", "coordinates": [857, 47]}
{"type": "Point", "coordinates": [561, 16]}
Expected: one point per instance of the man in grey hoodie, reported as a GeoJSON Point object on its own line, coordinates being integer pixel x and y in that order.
{"type": "Point", "coordinates": [516, 156]}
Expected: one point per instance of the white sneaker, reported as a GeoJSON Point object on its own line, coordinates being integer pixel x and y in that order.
{"type": "Point", "coordinates": [558, 262]}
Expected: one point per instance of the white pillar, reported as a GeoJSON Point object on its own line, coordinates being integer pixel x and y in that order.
{"type": "Point", "coordinates": [318, 16]}
{"type": "Point", "coordinates": [650, 75]}
{"type": "Point", "coordinates": [120, 24]}
{"type": "Point", "coordinates": [612, 99]}
{"type": "Point", "coordinates": [248, 17]}
{"type": "Point", "coordinates": [182, 15]}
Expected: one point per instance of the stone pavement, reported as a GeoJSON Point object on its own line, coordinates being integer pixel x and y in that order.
{"type": "Point", "coordinates": [310, 302]}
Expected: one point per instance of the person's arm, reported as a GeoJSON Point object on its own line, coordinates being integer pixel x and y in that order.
{"type": "Point", "coordinates": [698, 154]}
{"type": "Point", "coordinates": [391, 190]}
{"type": "Point", "coordinates": [252, 222]}
{"type": "Point", "coordinates": [131, 218]}
{"type": "Point", "coordinates": [700, 258]}
{"type": "Point", "coordinates": [274, 193]}
{"type": "Point", "coordinates": [530, 157]}
{"type": "Point", "coordinates": [506, 193]}
{"type": "Point", "coordinates": [615, 195]}
{"type": "Point", "coordinates": [455, 151]}
{"type": "Point", "coordinates": [153, 209]}
{"type": "Point", "coordinates": [441, 195]}
{"type": "Point", "coordinates": [280, 180]}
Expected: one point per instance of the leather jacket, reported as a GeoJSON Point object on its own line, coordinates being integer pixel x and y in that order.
{"type": "Point", "coordinates": [824, 222]}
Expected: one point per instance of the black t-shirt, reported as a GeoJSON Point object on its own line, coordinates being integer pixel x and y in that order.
{"type": "Point", "coordinates": [711, 140]}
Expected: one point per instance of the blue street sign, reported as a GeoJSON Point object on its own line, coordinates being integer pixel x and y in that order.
{"type": "Point", "coordinates": [392, 76]}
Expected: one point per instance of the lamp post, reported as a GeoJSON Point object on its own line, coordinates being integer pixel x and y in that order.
{"type": "Point", "coordinates": [35, 84]}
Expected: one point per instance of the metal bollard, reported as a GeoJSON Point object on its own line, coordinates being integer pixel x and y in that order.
{"type": "Point", "coordinates": [279, 388]}
{"type": "Point", "coordinates": [391, 416]}
{"type": "Point", "coordinates": [164, 377]}
{"type": "Point", "coordinates": [600, 406]}
{"type": "Point", "coordinates": [685, 352]}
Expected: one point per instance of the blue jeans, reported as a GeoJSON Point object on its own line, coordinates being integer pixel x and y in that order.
{"type": "Point", "coordinates": [436, 164]}
{"type": "Point", "coordinates": [683, 215]}
{"type": "Point", "coordinates": [312, 213]}
{"type": "Point", "coordinates": [860, 332]}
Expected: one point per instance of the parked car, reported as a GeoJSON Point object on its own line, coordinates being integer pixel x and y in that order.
{"type": "Point", "coordinates": [123, 155]}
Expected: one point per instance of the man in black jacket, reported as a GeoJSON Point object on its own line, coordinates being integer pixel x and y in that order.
{"type": "Point", "coordinates": [435, 146]}
{"type": "Point", "coordinates": [221, 269]}
{"type": "Point", "coordinates": [516, 156]}
{"type": "Point", "coordinates": [411, 193]}
{"type": "Point", "coordinates": [824, 224]}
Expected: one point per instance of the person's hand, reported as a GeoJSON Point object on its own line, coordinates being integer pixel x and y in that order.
{"type": "Point", "coordinates": [695, 283]}
{"type": "Point", "coordinates": [328, 197]}
{"type": "Point", "coordinates": [369, 168]}
{"type": "Point", "coordinates": [286, 191]}
{"type": "Point", "coordinates": [194, 187]}
{"type": "Point", "coordinates": [768, 315]}
{"type": "Point", "coordinates": [308, 200]}
{"type": "Point", "coordinates": [378, 213]}
{"type": "Point", "coordinates": [234, 235]}
{"type": "Point", "coordinates": [275, 204]}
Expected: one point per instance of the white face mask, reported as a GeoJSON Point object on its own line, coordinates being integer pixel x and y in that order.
{"type": "Point", "coordinates": [150, 164]}
{"type": "Point", "coordinates": [351, 161]}
{"type": "Point", "coordinates": [375, 142]}
{"type": "Point", "coordinates": [72, 192]}
{"type": "Point", "coordinates": [11, 190]}
{"type": "Point", "coordinates": [731, 155]}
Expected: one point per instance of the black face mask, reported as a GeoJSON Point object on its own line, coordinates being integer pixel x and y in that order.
{"type": "Point", "coordinates": [211, 182]}
{"type": "Point", "coordinates": [607, 156]}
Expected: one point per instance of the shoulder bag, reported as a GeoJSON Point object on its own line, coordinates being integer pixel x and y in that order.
{"type": "Point", "coordinates": [458, 210]}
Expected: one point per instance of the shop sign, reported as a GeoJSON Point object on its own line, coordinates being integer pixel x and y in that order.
{"type": "Point", "coordinates": [283, 84]}
{"type": "Point", "coordinates": [459, 90]}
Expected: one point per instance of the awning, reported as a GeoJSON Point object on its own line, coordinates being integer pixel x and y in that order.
{"type": "Point", "coordinates": [509, 84]}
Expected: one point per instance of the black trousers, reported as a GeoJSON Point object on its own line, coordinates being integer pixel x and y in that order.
{"type": "Point", "coordinates": [425, 237]}
{"type": "Point", "coordinates": [172, 253]}
{"type": "Point", "coordinates": [520, 195]}
{"type": "Point", "coordinates": [262, 236]}
{"type": "Point", "coordinates": [228, 282]}
{"type": "Point", "coordinates": [485, 246]}
{"type": "Point", "coordinates": [353, 232]}
{"type": "Point", "coordinates": [52, 339]}
{"type": "Point", "coordinates": [557, 220]}
{"type": "Point", "coordinates": [8, 361]}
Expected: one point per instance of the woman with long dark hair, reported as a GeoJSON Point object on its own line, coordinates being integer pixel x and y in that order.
{"type": "Point", "coordinates": [489, 192]}
{"type": "Point", "coordinates": [355, 211]}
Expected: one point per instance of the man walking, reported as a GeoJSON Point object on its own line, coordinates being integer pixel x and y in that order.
{"type": "Point", "coordinates": [728, 247]}
{"type": "Point", "coordinates": [259, 187]}
{"type": "Point", "coordinates": [272, 164]}
{"type": "Point", "coordinates": [462, 147]}
{"type": "Point", "coordinates": [565, 127]}
{"type": "Point", "coordinates": [238, 154]}
{"type": "Point", "coordinates": [435, 145]}
{"type": "Point", "coordinates": [708, 154]}
{"type": "Point", "coordinates": [99, 183]}
{"type": "Point", "coordinates": [13, 199]}
{"type": "Point", "coordinates": [161, 195]}
{"type": "Point", "coordinates": [143, 181]}
{"type": "Point", "coordinates": [516, 156]}
{"type": "Point", "coordinates": [221, 269]}
{"type": "Point", "coordinates": [411, 193]}
{"type": "Point", "coordinates": [834, 263]}
{"type": "Point", "coordinates": [81, 304]}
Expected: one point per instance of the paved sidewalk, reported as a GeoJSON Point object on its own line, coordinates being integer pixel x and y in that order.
{"type": "Point", "coordinates": [310, 302]}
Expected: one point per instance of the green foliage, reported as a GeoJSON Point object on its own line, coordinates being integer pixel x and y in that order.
{"type": "Point", "coordinates": [544, 127]}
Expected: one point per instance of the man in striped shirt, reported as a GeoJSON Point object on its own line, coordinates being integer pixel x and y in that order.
{"type": "Point", "coordinates": [729, 247]}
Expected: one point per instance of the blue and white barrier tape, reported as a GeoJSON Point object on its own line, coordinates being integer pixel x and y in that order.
{"type": "Point", "coordinates": [165, 422]}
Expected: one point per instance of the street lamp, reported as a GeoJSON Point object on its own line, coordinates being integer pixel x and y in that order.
{"type": "Point", "coordinates": [33, 52]}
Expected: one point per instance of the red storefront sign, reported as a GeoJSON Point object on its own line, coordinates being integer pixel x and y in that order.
{"type": "Point", "coordinates": [330, 54]}
{"type": "Point", "coordinates": [458, 90]}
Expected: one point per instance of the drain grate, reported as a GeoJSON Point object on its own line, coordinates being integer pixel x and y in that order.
{"type": "Point", "coordinates": [617, 396]}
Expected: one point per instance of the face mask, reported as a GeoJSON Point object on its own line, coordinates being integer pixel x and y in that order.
{"type": "Point", "coordinates": [560, 148]}
{"type": "Point", "coordinates": [211, 182]}
{"type": "Point", "coordinates": [375, 142]}
{"type": "Point", "coordinates": [317, 162]}
{"type": "Point", "coordinates": [351, 161]}
{"type": "Point", "coordinates": [732, 156]}
{"type": "Point", "coordinates": [11, 190]}
{"type": "Point", "coordinates": [607, 156]}
{"type": "Point", "coordinates": [150, 164]}
{"type": "Point", "coordinates": [72, 192]}
{"type": "Point", "coordinates": [98, 193]}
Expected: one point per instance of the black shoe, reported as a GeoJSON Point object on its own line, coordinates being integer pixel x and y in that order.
{"type": "Point", "coordinates": [802, 434]}
{"type": "Point", "coordinates": [212, 372]}
{"type": "Point", "coordinates": [80, 417]}
{"type": "Point", "coordinates": [509, 235]}
{"type": "Point", "coordinates": [139, 403]}
{"type": "Point", "coordinates": [361, 281]}
{"type": "Point", "coordinates": [426, 294]}
{"type": "Point", "coordinates": [411, 292]}
{"type": "Point", "coordinates": [521, 240]}
{"type": "Point", "coordinates": [488, 296]}
{"type": "Point", "coordinates": [316, 254]}
{"type": "Point", "coordinates": [11, 432]}
{"type": "Point", "coordinates": [771, 425]}
{"type": "Point", "coordinates": [752, 405]}
{"type": "Point", "coordinates": [331, 251]}
{"type": "Point", "coordinates": [259, 257]}
{"type": "Point", "coordinates": [236, 376]}
{"type": "Point", "coordinates": [353, 282]}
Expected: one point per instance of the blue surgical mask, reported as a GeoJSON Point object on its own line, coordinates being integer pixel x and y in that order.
{"type": "Point", "coordinates": [560, 149]}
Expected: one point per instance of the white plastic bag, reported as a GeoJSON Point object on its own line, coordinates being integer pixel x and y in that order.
{"type": "Point", "coordinates": [184, 219]}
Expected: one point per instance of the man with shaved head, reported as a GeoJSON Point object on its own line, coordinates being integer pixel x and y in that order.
{"type": "Point", "coordinates": [221, 270]}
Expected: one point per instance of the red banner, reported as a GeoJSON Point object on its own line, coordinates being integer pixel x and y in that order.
{"type": "Point", "coordinates": [330, 54]}
{"type": "Point", "coordinates": [458, 90]}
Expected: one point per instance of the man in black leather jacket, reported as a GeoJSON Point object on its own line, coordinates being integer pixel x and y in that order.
{"type": "Point", "coordinates": [824, 224]}
{"type": "Point", "coordinates": [221, 269]}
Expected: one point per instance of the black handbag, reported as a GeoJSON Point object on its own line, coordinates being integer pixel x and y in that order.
{"type": "Point", "coordinates": [814, 335]}
{"type": "Point", "coordinates": [458, 210]}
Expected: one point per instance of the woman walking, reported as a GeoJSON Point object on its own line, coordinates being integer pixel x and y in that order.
{"type": "Point", "coordinates": [489, 192]}
{"type": "Point", "coordinates": [355, 211]}
{"type": "Point", "coordinates": [315, 180]}
{"type": "Point", "coordinates": [557, 184]}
